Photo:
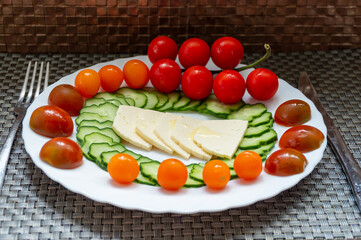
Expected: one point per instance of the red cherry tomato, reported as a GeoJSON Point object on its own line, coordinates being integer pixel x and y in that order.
{"type": "Point", "coordinates": [123, 168]}
{"type": "Point", "coordinates": [136, 74]}
{"type": "Point", "coordinates": [165, 75]}
{"type": "Point", "coordinates": [67, 98]}
{"type": "Point", "coordinates": [51, 121]}
{"type": "Point", "coordinates": [111, 77]}
{"type": "Point", "coordinates": [62, 153]}
{"type": "Point", "coordinates": [172, 174]}
{"type": "Point", "coordinates": [194, 52]}
{"type": "Point", "coordinates": [197, 82]}
{"type": "Point", "coordinates": [162, 47]}
{"type": "Point", "coordinates": [229, 86]}
{"type": "Point", "coordinates": [293, 112]}
{"type": "Point", "coordinates": [227, 52]}
{"type": "Point", "coordinates": [262, 84]}
{"type": "Point", "coordinates": [216, 174]}
{"type": "Point", "coordinates": [303, 138]}
{"type": "Point", "coordinates": [87, 82]}
{"type": "Point", "coordinates": [285, 162]}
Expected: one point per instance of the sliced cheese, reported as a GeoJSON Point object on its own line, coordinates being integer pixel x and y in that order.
{"type": "Point", "coordinates": [145, 126]}
{"type": "Point", "coordinates": [164, 128]}
{"type": "Point", "coordinates": [182, 134]}
{"type": "Point", "coordinates": [220, 137]}
{"type": "Point", "coordinates": [125, 126]}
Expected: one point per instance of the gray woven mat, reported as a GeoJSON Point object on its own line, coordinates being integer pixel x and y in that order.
{"type": "Point", "coordinates": [321, 206]}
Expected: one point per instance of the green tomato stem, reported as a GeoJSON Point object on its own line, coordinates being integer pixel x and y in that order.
{"type": "Point", "coordinates": [264, 58]}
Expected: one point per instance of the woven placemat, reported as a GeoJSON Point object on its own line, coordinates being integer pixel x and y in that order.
{"type": "Point", "coordinates": [321, 206]}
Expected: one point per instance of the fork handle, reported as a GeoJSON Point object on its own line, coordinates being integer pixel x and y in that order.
{"type": "Point", "coordinates": [5, 151]}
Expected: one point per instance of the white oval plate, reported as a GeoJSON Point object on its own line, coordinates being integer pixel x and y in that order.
{"type": "Point", "coordinates": [94, 183]}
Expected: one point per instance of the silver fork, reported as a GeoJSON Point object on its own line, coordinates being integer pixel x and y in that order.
{"type": "Point", "coordinates": [20, 111]}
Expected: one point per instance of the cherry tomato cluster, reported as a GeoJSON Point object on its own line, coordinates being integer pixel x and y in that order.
{"type": "Point", "coordinates": [295, 141]}
{"type": "Point", "coordinates": [54, 121]}
{"type": "Point", "coordinates": [172, 173]}
{"type": "Point", "coordinates": [197, 81]}
{"type": "Point", "coordinates": [247, 165]}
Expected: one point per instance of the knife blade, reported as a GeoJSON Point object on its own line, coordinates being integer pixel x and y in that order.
{"type": "Point", "coordinates": [335, 140]}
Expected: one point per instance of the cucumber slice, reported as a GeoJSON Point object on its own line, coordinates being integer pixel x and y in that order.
{"type": "Point", "coordinates": [94, 101]}
{"type": "Point", "coordinates": [139, 98]}
{"type": "Point", "coordinates": [143, 179]}
{"type": "Point", "coordinates": [269, 124]}
{"type": "Point", "coordinates": [202, 108]}
{"type": "Point", "coordinates": [263, 150]}
{"type": "Point", "coordinates": [108, 96]}
{"type": "Point", "coordinates": [183, 102]}
{"type": "Point", "coordinates": [130, 101]}
{"type": "Point", "coordinates": [263, 119]}
{"type": "Point", "coordinates": [173, 97]}
{"type": "Point", "coordinates": [229, 162]}
{"type": "Point", "coordinates": [95, 123]}
{"type": "Point", "coordinates": [191, 106]}
{"type": "Point", "coordinates": [233, 174]}
{"type": "Point", "coordinates": [96, 149]}
{"type": "Point", "coordinates": [134, 155]}
{"type": "Point", "coordinates": [248, 112]}
{"type": "Point", "coordinates": [256, 131]}
{"type": "Point", "coordinates": [106, 110]}
{"type": "Point", "coordinates": [121, 100]}
{"type": "Point", "coordinates": [143, 159]}
{"type": "Point", "coordinates": [106, 156]}
{"type": "Point", "coordinates": [91, 139]}
{"type": "Point", "coordinates": [192, 183]}
{"type": "Point", "coordinates": [162, 98]}
{"type": "Point", "coordinates": [83, 131]}
{"type": "Point", "coordinates": [114, 98]}
{"type": "Point", "coordinates": [197, 172]}
{"type": "Point", "coordinates": [216, 108]}
{"type": "Point", "coordinates": [152, 100]}
{"type": "Point", "coordinates": [91, 116]}
{"type": "Point", "coordinates": [256, 142]}
{"type": "Point", "coordinates": [150, 169]}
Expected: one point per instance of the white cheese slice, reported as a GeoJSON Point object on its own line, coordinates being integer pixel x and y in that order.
{"type": "Point", "coordinates": [125, 126]}
{"type": "Point", "coordinates": [145, 126]}
{"type": "Point", "coordinates": [164, 129]}
{"type": "Point", "coordinates": [220, 137]}
{"type": "Point", "coordinates": [182, 134]}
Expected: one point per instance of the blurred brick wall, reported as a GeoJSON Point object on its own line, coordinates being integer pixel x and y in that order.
{"type": "Point", "coordinates": [128, 26]}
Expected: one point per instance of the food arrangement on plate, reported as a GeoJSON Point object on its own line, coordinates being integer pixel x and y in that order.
{"type": "Point", "coordinates": [232, 139]}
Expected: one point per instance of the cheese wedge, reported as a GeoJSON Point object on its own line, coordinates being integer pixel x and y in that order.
{"type": "Point", "coordinates": [164, 128]}
{"type": "Point", "coordinates": [183, 132]}
{"type": "Point", "coordinates": [125, 126]}
{"type": "Point", "coordinates": [220, 137]}
{"type": "Point", "coordinates": [145, 126]}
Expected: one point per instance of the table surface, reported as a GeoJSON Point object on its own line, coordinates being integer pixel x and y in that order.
{"type": "Point", "coordinates": [321, 206]}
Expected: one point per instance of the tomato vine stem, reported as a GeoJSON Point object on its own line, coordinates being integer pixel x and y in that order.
{"type": "Point", "coordinates": [267, 47]}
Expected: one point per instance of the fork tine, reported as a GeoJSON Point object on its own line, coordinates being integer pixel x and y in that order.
{"type": "Point", "coordinates": [30, 93]}
{"type": "Point", "coordinates": [46, 75]}
{"type": "Point", "coordinates": [39, 80]}
{"type": "Point", "coordinates": [22, 93]}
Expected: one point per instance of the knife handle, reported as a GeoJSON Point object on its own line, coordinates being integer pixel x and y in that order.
{"type": "Point", "coordinates": [348, 162]}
